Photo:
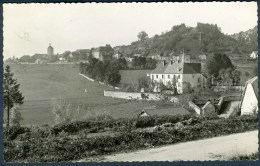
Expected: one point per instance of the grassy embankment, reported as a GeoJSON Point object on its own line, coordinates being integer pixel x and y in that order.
{"type": "Point", "coordinates": [99, 136]}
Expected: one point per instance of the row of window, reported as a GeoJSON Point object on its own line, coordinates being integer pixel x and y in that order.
{"type": "Point", "coordinates": [169, 76]}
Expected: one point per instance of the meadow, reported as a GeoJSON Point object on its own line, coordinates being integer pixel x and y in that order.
{"type": "Point", "coordinates": [40, 84]}
{"type": "Point", "coordinates": [132, 76]}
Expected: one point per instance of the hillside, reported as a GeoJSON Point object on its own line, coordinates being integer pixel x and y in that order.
{"type": "Point", "coordinates": [204, 38]}
{"type": "Point", "coordinates": [247, 41]}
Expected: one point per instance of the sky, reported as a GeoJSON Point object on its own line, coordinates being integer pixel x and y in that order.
{"type": "Point", "coordinates": [30, 28]}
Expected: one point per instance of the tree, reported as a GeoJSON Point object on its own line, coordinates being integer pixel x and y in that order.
{"type": "Point", "coordinates": [187, 87]}
{"type": "Point", "coordinates": [216, 62]}
{"type": "Point", "coordinates": [12, 95]}
{"type": "Point", "coordinates": [142, 35]}
{"type": "Point", "coordinates": [15, 116]}
{"type": "Point", "coordinates": [236, 74]}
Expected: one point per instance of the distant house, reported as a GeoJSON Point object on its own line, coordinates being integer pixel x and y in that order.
{"type": "Point", "coordinates": [38, 61]}
{"type": "Point", "coordinates": [254, 55]}
{"type": "Point", "coordinates": [179, 70]}
{"type": "Point", "coordinates": [129, 59]}
{"type": "Point", "coordinates": [84, 53]}
{"type": "Point", "coordinates": [249, 103]}
{"type": "Point", "coordinates": [117, 55]}
{"type": "Point", "coordinates": [103, 53]}
{"type": "Point", "coordinates": [202, 57]}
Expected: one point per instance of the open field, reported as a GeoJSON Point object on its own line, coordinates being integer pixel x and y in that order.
{"type": "Point", "coordinates": [42, 83]}
{"type": "Point", "coordinates": [132, 76]}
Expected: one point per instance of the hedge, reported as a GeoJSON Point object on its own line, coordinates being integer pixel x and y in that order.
{"type": "Point", "coordinates": [42, 145]}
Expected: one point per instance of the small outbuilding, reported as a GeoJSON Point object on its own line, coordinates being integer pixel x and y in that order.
{"type": "Point", "coordinates": [254, 55]}
{"type": "Point", "coordinates": [249, 102]}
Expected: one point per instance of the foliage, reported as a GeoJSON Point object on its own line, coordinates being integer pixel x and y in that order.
{"type": "Point", "coordinates": [39, 145]}
{"type": "Point", "coordinates": [187, 87]}
{"type": "Point", "coordinates": [12, 95]}
{"type": "Point", "coordinates": [216, 62]}
{"type": "Point", "coordinates": [253, 156]}
{"type": "Point", "coordinates": [142, 35]}
{"type": "Point", "coordinates": [255, 70]}
{"type": "Point", "coordinates": [229, 76]}
{"type": "Point", "coordinates": [107, 71]}
{"type": "Point", "coordinates": [15, 116]}
{"type": "Point", "coordinates": [206, 38]}
{"type": "Point", "coordinates": [62, 111]}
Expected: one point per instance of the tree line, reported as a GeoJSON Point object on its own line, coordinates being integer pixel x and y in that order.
{"type": "Point", "coordinates": [107, 72]}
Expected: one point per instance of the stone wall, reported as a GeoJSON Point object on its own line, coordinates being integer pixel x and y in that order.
{"type": "Point", "coordinates": [194, 107]}
{"type": "Point", "coordinates": [138, 96]}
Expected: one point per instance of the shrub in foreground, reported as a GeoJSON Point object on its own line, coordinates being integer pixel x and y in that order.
{"type": "Point", "coordinates": [68, 147]}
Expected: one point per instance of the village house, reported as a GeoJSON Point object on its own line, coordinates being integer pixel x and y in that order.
{"type": "Point", "coordinates": [103, 53]}
{"type": "Point", "coordinates": [254, 55]}
{"type": "Point", "coordinates": [85, 53]}
{"type": "Point", "coordinates": [180, 70]}
{"type": "Point", "coordinates": [117, 55]}
{"type": "Point", "coordinates": [249, 102]}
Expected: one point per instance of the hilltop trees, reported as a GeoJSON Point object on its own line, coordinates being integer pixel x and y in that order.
{"type": "Point", "coordinates": [12, 95]}
{"type": "Point", "coordinates": [142, 35]}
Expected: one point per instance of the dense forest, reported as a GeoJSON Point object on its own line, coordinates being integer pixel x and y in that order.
{"type": "Point", "coordinates": [204, 38]}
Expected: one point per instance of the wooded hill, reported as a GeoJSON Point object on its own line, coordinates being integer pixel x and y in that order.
{"type": "Point", "coordinates": [204, 38]}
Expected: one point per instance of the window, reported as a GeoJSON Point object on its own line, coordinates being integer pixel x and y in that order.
{"type": "Point", "coordinates": [169, 76]}
{"type": "Point", "coordinates": [162, 75]}
{"type": "Point", "coordinates": [157, 76]}
{"type": "Point", "coordinates": [152, 76]}
{"type": "Point", "coordinates": [198, 79]}
{"type": "Point", "coordinates": [179, 76]}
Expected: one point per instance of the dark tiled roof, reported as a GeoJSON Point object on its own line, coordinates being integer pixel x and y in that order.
{"type": "Point", "coordinates": [159, 69]}
{"type": "Point", "coordinates": [192, 68]}
{"type": "Point", "coordinates": [177, 68]}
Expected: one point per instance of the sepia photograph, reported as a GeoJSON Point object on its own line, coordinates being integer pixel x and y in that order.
{"type": "Point", "coordinates": [130, 82]}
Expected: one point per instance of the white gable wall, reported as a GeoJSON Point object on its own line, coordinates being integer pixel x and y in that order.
{"type": "Point", "coordinates": [249, 102]}
{"type": "Point", "coordinates": [193, 79]}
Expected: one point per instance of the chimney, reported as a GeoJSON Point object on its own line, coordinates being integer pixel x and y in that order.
{"type": "Point", "coordinates": [164, 63]}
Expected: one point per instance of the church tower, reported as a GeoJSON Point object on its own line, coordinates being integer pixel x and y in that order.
{"type": "Point", "coordinates": [50, 50]}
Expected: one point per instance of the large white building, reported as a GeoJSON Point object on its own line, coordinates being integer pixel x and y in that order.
{"type": "Point", "coordinates": [179, 70]}
{"type": "Point", "coordinates": [249, 103]}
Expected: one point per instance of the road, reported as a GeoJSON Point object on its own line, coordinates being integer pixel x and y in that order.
{"type": "Point", "coordinates": [218, 148]}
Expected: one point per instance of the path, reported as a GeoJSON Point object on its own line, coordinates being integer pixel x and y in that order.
{"type": "Point", "coordinates": [218, 148]}
{"type": "Point", "coordinates": [230, 108]}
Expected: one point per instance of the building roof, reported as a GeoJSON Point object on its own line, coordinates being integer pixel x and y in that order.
{"type": "Point", "coordinates": [254, 83]}
{"type": "Point", "coordinates": [159, 69]}
{"type": "Point", "coordinates": [175, 67]}
{"type": "Point", "coordinates": [50, 47]}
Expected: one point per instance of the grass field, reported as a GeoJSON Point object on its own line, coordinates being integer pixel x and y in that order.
{"type": "Point", "coordinates": [132, 76]}
{"type": "Point", "coordinates": [42, 83]}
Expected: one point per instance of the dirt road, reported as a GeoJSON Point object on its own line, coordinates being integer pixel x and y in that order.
{"type": "Point", "coordinates": [218, 148]}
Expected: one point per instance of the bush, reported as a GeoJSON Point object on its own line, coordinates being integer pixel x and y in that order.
{"type": "Point", "coordinates": [15, 117]}
{"type": "Point", "coordinates": [66, 147]}
{"type": "Point", "coordinates": [62, 111]}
